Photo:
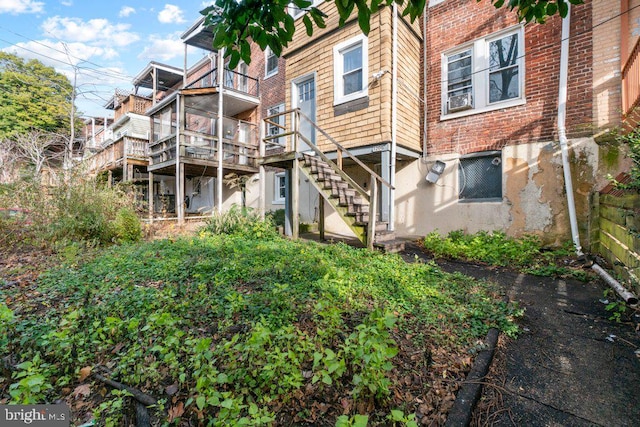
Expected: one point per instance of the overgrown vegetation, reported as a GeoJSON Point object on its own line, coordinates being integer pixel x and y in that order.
{"type": "Point", "coordinates": [247, 328]}
{"type": "Point", "coordinates": [81, 211]}
{"type": "Point", "coordinates": [632, 140]}
{"type": "Point", "coordinates": [525, 254]}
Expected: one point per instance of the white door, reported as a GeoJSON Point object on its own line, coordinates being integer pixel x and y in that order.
{"type": "Point", "coordinates": [305, 100]}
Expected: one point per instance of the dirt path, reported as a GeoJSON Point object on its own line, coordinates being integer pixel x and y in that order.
{"type": "Point", "coordinates": [571, 366]}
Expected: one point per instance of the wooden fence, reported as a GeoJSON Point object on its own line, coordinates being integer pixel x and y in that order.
{"type": "Point", "coordinates": [617, 235]}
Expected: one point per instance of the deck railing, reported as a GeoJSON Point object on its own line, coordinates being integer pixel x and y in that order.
{"type": "Point", "coordinates": [114, 153]}
{"type": "Point", "coordinates": [233, 80]}
{"type": "Point", "coordinates": [631, 81]}
{"type": "Point", "coordinates": [240, 144]}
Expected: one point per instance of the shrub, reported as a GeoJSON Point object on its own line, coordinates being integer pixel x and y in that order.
{"type": "Point", "coordinates": [245, 222]}
{"type": "Point", "coordinates": [81, 210]}
{"type": "Point", "coordinates": [127, 225]}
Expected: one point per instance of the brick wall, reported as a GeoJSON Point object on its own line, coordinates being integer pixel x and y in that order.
{"type": "Point", "coordinates": [272, 89]}
{"type": "Point", "coordinates": [606, 64]}
{"type": "Point", "coordinates": [456, 22]}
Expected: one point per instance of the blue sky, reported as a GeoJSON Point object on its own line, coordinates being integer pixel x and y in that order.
{"type": "Point", "coordinates": [108, 42]}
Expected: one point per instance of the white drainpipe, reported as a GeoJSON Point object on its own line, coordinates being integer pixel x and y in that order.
{"type": "Point", "coordinates": [394, 118]}
{"type": "Point", "coordinates": [562, 135]}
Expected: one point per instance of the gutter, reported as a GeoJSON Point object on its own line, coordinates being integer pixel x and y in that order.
{"type": "Point", "coordinates": [627, 296]}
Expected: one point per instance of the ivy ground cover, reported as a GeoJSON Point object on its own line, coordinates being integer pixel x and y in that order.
{"type": "Point", "coordinates": [237, 330]}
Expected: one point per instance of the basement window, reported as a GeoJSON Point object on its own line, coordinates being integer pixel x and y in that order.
{"type": "Point", "coordinates": [480, 177]}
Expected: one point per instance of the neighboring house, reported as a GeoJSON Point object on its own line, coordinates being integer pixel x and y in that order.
{"type": "Point", "coordinates": [341, 81]}
{"type": "Point", "coordinates": [447, 123]}
{"type": "Point", "coordinates": [492, 113]}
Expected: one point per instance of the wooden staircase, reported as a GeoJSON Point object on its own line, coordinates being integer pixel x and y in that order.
{"type": "Point", "coordinates": [345, 200]}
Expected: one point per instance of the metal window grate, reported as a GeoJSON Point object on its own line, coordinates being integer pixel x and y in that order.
{"type": "Point", "coordinates": [480, 177]}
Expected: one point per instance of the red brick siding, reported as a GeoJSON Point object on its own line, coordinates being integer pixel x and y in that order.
{"type": "Point", "coordinates": [456, 22]}
{"type": "Point", "coordinates": [272, 89]}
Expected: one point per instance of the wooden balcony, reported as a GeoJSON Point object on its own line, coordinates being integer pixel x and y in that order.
{"type": "Point", "coordinates": [199, 149]}
{"type": "Point", "coordinates": [113, 156]}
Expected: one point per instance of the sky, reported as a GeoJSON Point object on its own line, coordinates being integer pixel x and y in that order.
{"type": "Point", "coordinates": [104, 44]}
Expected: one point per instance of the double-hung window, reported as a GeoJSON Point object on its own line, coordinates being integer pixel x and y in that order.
{"type": "Point", "coordinates": [270, 63]}
{"type": "Point", "coordinates": [280, 188]}
{"type": "Point", "coordinates": [274, 128]}
{"type": "Point", "coordinates": [350, 60]}
{"type": "Point", "coordinates": [484, 75]}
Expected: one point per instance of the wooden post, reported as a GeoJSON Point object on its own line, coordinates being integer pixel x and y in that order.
{"type": "Point", "coordinates": [339, 158]}
{"type": "Point", "coordinates": [110, 178]}
{"type": "Point", "coordinates": [150, 195]}
{"type": "Point", "coordinates": [125, 163]}
{"type": "Point", "coordinates": [262, 175]}
{"type": "Point", "coordinates": [321, 216]}
{"type": "Point", "coordinates": [295, 198]}
{"type": "Point", "coordinates": [373, 209]}
{"type": "Point", "coordinates": [179, 167]}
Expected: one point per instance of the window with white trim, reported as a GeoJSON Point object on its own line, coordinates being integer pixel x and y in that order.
{"type": "Point", "coordinates": [484, 75]}
{"type": "Point", "coordinates": [270, 63]}
{"type": "Point", "coordinates": [280, 188]}
{"type": "Point", "coordinates": [350, 69]}
{"type": "Point", "coordinates": [273, 128]}
{"type": "Point", "coordinates": [480, 177]}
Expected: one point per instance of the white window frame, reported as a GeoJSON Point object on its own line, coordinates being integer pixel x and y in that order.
{"type": "Point", "coordinates": [267, 53]}
{"type": "Point", "coordinates": [338, 65]}
{"type": "Point", "coordinates": [435, 2]}
{"type": "Point", "coordinates": [278, 108]}
{"type": "Point", "coordinates": [480, 75]}
{"type": "Point", "coordinates": [297, 13]}
{"type": "Point", "coordinates": [277, 200]}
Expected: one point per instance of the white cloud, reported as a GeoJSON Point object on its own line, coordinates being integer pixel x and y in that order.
{"type": "Point", "coordinates": [21, 6]}
{"type": "Point", "coordinates": [163, 48]}
{"type": "Point", "coordinates": [126, 11]}
{"type": "Point", "coordinates": [171, 14]}
{"type": "Point", "coordinates": [95, 31]}
{"type": "Point", "coordinates": [66, 3]}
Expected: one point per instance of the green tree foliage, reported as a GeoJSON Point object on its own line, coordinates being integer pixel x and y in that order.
{"type": "Point", "coordinates": [268, 23]}
{"type": "Point", "coordinates": [32, 97]}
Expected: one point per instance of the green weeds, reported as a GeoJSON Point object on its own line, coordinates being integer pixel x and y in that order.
{"type": "Point", "coordinates": [241, 327]}
{"type": "Point", "coordinates": [525, 254]}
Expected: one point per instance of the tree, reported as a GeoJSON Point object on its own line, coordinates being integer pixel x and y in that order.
{"type": "Point", "coordinates": [37, 148]}
{"type": "Point", "coordinates": [32, 97]}
{"type": "Point", "coordinates": [268, 23]}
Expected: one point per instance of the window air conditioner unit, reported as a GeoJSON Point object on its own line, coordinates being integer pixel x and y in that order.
{"type": "Point", "coordinates": [459, 102]}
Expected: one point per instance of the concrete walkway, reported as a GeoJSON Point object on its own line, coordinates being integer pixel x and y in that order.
{"type": "Point", "coordinates": [571, 366]}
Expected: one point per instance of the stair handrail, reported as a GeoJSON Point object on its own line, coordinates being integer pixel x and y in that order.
{"type": "Point", "coordinates": [340, 147]}
{"type": "Point", "coordinates": [335, 167]}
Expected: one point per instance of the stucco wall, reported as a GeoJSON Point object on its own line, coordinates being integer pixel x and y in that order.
{"type": "Point", "coordinates": [534, 199]}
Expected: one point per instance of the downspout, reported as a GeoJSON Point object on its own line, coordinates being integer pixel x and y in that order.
{"type": "Point", "coordinates": [562, 134]}
{"type": "Point", "coordinates": [220, 78]}
{"type": "Point", "coordinates": [394, 117]}
{"type": "Point", "coordinates": [627, 296]}
{"type": "Point", "coordinates": [425, 126]}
